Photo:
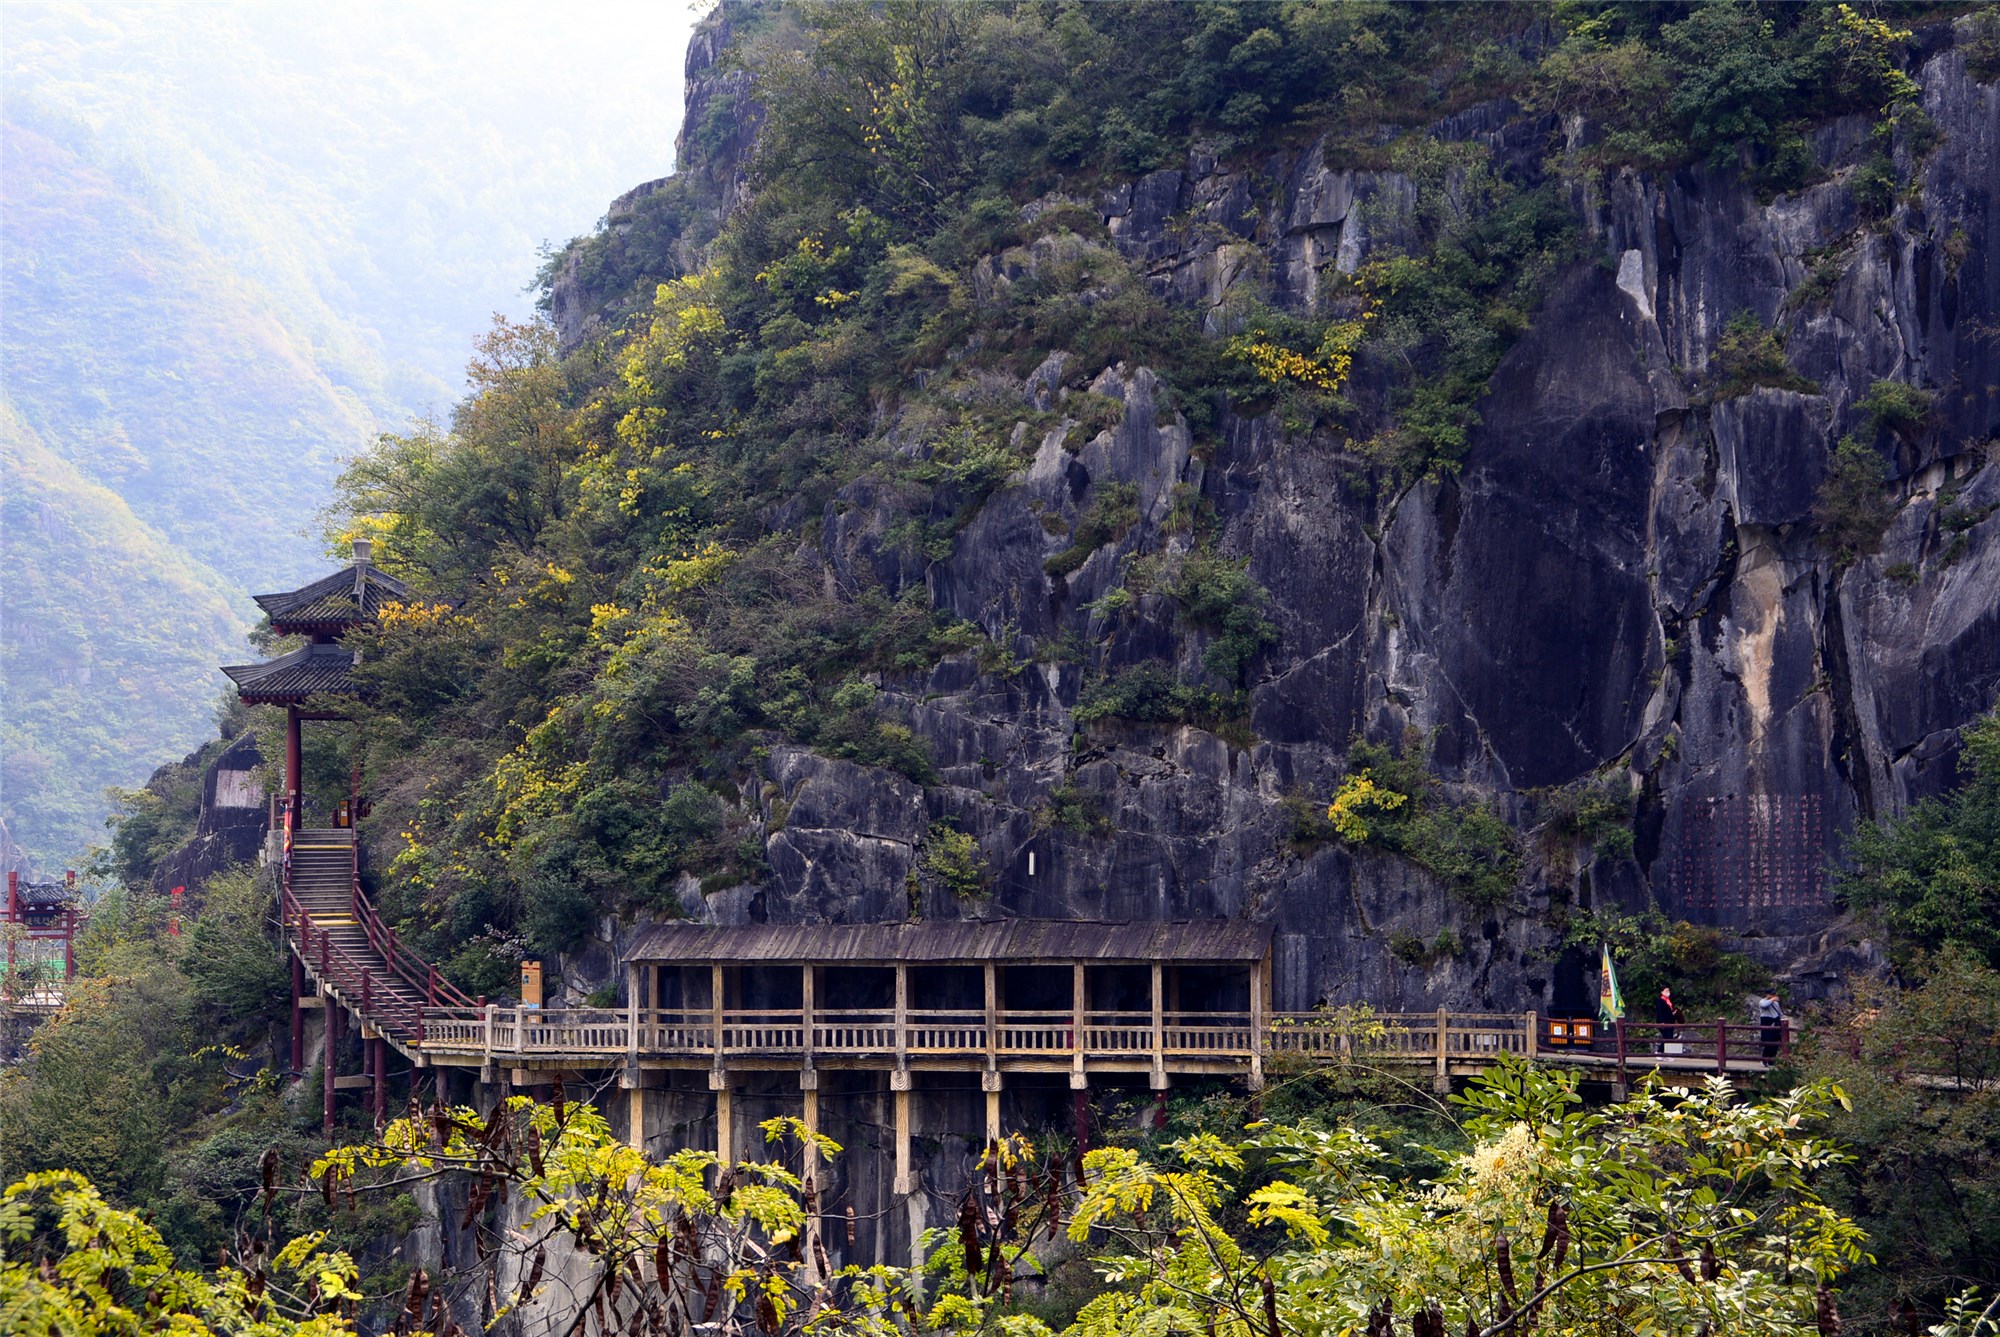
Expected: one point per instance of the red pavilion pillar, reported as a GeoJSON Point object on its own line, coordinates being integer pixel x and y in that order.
{"type": "Point", "coordinates": [294, 761]}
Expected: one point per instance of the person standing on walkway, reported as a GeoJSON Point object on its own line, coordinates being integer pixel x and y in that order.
{"type": "Point", "coordinates": [1668, 1015]}
{"type": "Point", "coordinates": [1771, 1017]}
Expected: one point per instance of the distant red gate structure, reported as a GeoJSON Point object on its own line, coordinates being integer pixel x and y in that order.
{"type": "Point", "coordinates": [40, 929]}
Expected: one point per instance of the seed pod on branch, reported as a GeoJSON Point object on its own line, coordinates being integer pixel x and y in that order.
{"type": "Point", "coordinates": [850, 1227]}
{"type": "Point", "coordinates": [534, 1140]}
{"type": "Point", "coordinates": [1681, 1264]}
{"type": "Point", "coordinates": [1558, 1220]}
{"type": "Point", "coordinates": [767, 1313]}
{"type": "Point", "coordinates": [534, 1277]}
{"type": "Point", "coordinates": [413, 1297]}
{"type": "Point", "coordinates": [1503, 1259]}
{"type": "Point", "coordinates": [267, 1166]}
{"type": "Point", "coordinates": [1711, 1266]}
{"type": "Point", "coordinates": [714, 1296]}
{"type": "Point", "coordinates": [1826, 1314]}
{"type": "Point", "coordinates": [1271, 1309]}
{"type": "Point", "coordinates": [968, 1237]}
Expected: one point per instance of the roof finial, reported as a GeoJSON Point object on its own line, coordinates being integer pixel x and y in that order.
{"type": "Point", "coordinates": [364, 551]}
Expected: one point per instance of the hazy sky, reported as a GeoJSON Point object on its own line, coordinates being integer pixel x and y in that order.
{"type": "Point", "coordinates": [402, 162]}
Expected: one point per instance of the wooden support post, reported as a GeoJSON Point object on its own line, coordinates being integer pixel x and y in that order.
{"type": "Point", "coordinates": [332, 1030]}
{"type": "Point", "coordinates": [906, 1182]}
{"type": "Point", "coordinates": [635, 1114]}
{"type": "Point", "coordinates": [808, 977]}
{"type": "Point", "coordinates": [809, 1166]}
{"type": "Point", "coordinates": [632, 988]}
{"type": "Point", "coordinates": [1159, 1029]}
{"type": "Point", "coordinates": [1079, 1006]}
{"type": "Point", "coordinates": [381, 1066]}
{"type": "Point", "coordinates": [298, 1015]}
{"type": "Point", "coordinates": [809, 1116]}
{"type": "Point", "coordinates": [1722, 1047]}
{"type": "Point", "coordinates": [294, 752]}
{"type": "Point", "coordinates": [725, 1119]}
{"type": "Point", "coordinates": [902, 1017]}
{"type": "Point", "coordinates": [989, 1085]}
{"type": "Point", "coordinates": [1442, 1082]}
{"type": "Point", "coordinates": [1531, 1040]}
{"type": "Point", "coordinates": [992, 982]}
{"type": "Point", "coordinates": [1260, 1022]}
{"type": "Point", "coordinates": [715, 995]}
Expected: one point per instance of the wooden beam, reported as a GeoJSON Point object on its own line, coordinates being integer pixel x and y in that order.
{"type": "Point", "coordinates": [635, 1115]}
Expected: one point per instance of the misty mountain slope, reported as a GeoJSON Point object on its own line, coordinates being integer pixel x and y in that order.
{"type": "Point", "coordinates": [238, 242]}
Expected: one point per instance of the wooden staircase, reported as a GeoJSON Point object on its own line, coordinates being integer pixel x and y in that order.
{"type": "Point", "coordinates": [346, 948]}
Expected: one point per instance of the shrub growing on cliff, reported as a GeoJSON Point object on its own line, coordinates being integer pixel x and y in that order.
{"type": "Point", "coordinates": [950, 858]}
{"type": "Point", "coordinates": [1896, 406]}
{"type": "Point", "coordinates": [1849, 512]}
{"type": "Point", "coordinates": [1393, 802]}
{"type": "Point", "coordinates": [1749, 354]}
{"type": "Point", "coordinates": [1216, 595]}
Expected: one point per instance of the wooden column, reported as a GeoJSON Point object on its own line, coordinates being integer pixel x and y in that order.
{"type": "Point", "coordinates": [1532, 1037]}
{"type": "Point", "coordinates": [331, 1010]}
{"type": "Point", "coordinates": [715, 995]}
{"type": "Point", "coordinates": [725, 1119]}
{"type": "Point", "coordinates": [1260, 1023]}
{"type": "Point", "coordinates": [294, 762]}
{"type": "Point", "coordinates": [1442, 1082]}
{"type": "Point", "coordinates": [902, 1017]}
{"type": "Point", "coordinates": [992, 981]}
{"type": "Point", "coordinates": [380, 1066]}
{"type": "Point", "coordinates": [808, 976]}
{"type": "Point", "coordinates": [906, 1182]}
{"type": "Point", "coordinates": [1159, 1029]}
{"type": "Point", "coordinates": [809, 1116]}
{"type": "Point", "coordinates": [635, 1114]}
{"type": "Point", "coordinates": [298, 1014]}
{"type": "Point", "coordinates": [989, 1084]}
{"type": "Point", "coordinates": [632, 1000]}
{"type": "Point", "coordinates": [1079, 1002]}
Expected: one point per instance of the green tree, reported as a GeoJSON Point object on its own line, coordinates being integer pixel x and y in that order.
{"type": "Point", "coordinates": [1933, 875]}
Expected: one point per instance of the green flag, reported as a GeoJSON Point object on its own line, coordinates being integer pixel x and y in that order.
{"type": "Point", "coordinates": [1610, 1002]}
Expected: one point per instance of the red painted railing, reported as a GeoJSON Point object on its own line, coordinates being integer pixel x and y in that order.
{"type": "Point", "coordinates": [1700, 1044]}
{"type": "Point", "coordinates": [354, 980]}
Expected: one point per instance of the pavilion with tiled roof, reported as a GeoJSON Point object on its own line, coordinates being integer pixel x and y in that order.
{"type": "Point", "coordinates": [322, 612]}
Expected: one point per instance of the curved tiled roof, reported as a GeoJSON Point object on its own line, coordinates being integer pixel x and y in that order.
{"type": "Point", "coordinates": [290, 679]}
{"type": "Point", "coordinates": [348, 596]}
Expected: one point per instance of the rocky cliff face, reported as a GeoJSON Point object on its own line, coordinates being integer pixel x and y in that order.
{"type": "Point", "coordinates": [1623, 580]}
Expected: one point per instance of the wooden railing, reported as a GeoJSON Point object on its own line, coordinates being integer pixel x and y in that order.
{"type": "Point", "coordinates": [1451, 1041]}
{"type": "Point", "coordinates": [379, 988]}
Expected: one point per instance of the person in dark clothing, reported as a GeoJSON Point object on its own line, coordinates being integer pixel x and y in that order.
{"type": "Point", "coordinates": [1771, 1018]}
{"type": "Point", "coordinates": [1668, 1015]}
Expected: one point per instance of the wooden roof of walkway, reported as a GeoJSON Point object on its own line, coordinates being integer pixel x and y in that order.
{"type": "Point", "coordinates": [944, 942]}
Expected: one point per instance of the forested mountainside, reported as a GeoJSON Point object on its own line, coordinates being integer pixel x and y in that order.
{"type": "Point", "coordinates": [238, 241]}
{"type": "Point", "coordinates": [1556, 439]}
